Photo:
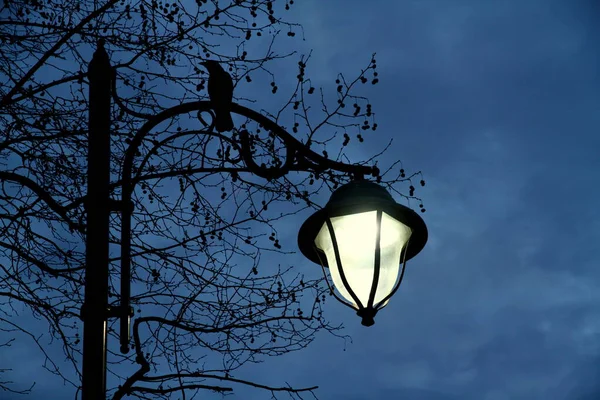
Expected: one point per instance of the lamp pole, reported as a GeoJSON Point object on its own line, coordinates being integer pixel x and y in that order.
{"type": "Point", "coordinates": [95, 306]}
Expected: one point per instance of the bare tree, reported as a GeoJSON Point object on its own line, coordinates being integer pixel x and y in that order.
{"type": "Point", "coordinates": [202, 220]}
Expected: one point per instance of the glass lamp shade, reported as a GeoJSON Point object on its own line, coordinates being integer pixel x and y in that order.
{"type": "Point", "coordinates": [362, 236]}
{"type": "Point", "coordinates": [356, 236]}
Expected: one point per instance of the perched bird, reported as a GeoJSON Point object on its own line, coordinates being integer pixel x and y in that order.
{"type": "Point", "coordinates": [220, 92]}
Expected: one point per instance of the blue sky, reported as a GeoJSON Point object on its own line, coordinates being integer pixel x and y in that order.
{"type": "Point", "coordinates": [498, 103]}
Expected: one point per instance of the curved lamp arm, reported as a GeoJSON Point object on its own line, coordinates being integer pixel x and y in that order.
{"type": "Point", "coordinates": [298, 157]}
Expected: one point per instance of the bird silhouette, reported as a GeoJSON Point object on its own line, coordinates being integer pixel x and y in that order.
{"type": "Point", "coordinates": [220, 92]}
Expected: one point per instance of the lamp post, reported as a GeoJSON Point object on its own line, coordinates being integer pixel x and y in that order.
{"type": "Point", "coordinates": [95, 304]}
{"type": "Point", "coordinates": [96, 310]}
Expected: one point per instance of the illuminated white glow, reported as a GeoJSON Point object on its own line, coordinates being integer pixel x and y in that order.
{"type": "Point", "coordinates": [356, 236]}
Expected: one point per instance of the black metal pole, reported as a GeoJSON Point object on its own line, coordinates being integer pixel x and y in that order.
{"type": "Point", "coordinates": [95, 307]}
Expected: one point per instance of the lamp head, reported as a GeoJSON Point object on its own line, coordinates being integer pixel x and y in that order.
{"type": "Point", "coordinates": [365, 238]}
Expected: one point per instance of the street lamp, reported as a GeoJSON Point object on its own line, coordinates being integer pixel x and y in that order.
{"type": "Point", "coordinates": [365, 238]}
{"type": "Point", "coordinates": [360, 203]}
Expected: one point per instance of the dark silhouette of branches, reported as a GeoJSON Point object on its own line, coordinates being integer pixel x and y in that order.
{"type": "Point", "coordinates": [203, 223]}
